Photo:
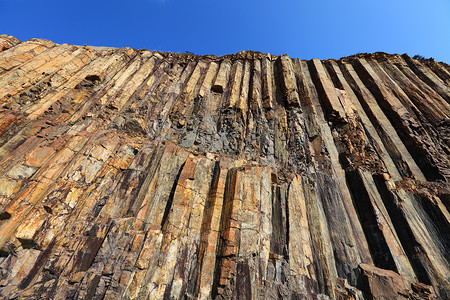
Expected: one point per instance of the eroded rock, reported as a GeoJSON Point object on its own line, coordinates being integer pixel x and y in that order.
{"type": "Point", "coordinates": [130, 174]}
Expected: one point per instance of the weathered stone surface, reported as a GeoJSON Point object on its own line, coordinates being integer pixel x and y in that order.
{"type": "Point", "coordinates": [383, 284]}
{"type": "Point", "coordinates": [131, 174]}
{"type": "Point", "coordinates": [7, 41]}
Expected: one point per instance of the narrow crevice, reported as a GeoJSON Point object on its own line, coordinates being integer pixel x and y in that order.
{"type": "Point", "coordinates": [278, 240]}
{"type": "Point", "coordinates": [378, 247]}
{"type": "Point", "coordinates": [41, 260]}
{"type": "Point", "coordinates": [144, 178]}
{"type": "Point", "coordinates": [286, 209]}
{"type": "Point", "coordinates": [320, 90]}
{"type": "Point", "coordinates": [248, 114]}
{"type": "Point", "coordinates": [230, 183]}
{"type": "Point", "coordinates": [438, 224]}
{"type": "Point", "coordinates": [412, 249]}
{"type": "Point", "coordinates": [206, 225]}
{"type": "Point", "coordinates": [170, 199]}
{"type": "Point", "coordinates": [334, 78]}
{"type": "Point", "coordinates": [279, 97]}
{"type": "Point", "coordinates": [445, 198]}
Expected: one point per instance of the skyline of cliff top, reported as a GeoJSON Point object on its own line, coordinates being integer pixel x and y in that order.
{"type": "Point", "coordinates": [9, 41]}
{"type": "Point", "coordinates": [302, 30]}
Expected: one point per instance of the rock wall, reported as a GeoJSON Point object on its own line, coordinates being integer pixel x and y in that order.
{"type": "Point", "coordinates": [131, 174]}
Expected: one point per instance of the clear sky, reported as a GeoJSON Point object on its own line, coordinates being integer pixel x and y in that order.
{"type": "Point", "coordinates": [302, 28]}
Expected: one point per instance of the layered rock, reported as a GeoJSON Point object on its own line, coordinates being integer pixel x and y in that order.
{"type": "Point", "coordinates": [135, 174]}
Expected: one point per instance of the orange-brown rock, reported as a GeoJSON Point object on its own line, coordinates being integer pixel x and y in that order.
{"type": "Point", "coordinates": [132, 174]}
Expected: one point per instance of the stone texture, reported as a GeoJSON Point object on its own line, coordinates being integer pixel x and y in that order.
{"type": "Point", "coordinates": [131, 174]}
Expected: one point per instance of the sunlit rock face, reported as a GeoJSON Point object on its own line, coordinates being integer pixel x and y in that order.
{"type": "Point", "coordinates": [131, 174]}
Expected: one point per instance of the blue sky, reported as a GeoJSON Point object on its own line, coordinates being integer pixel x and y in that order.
{"type": "Point", "coordinates": [303, 29]}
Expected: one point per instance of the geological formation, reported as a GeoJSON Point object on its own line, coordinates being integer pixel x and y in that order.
{"type": "Point", "coordinates": [132, 174]}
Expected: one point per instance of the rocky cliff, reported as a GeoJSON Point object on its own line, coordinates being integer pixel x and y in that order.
{"type": "Point", "coordinates": [131, 174]}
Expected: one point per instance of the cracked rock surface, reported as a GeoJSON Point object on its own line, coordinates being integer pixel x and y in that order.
{"type": "Point", "coordinates": [132, 174]}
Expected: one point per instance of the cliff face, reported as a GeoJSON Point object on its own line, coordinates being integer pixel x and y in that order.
{"type": "Point", "coordinates": [135, 174]}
